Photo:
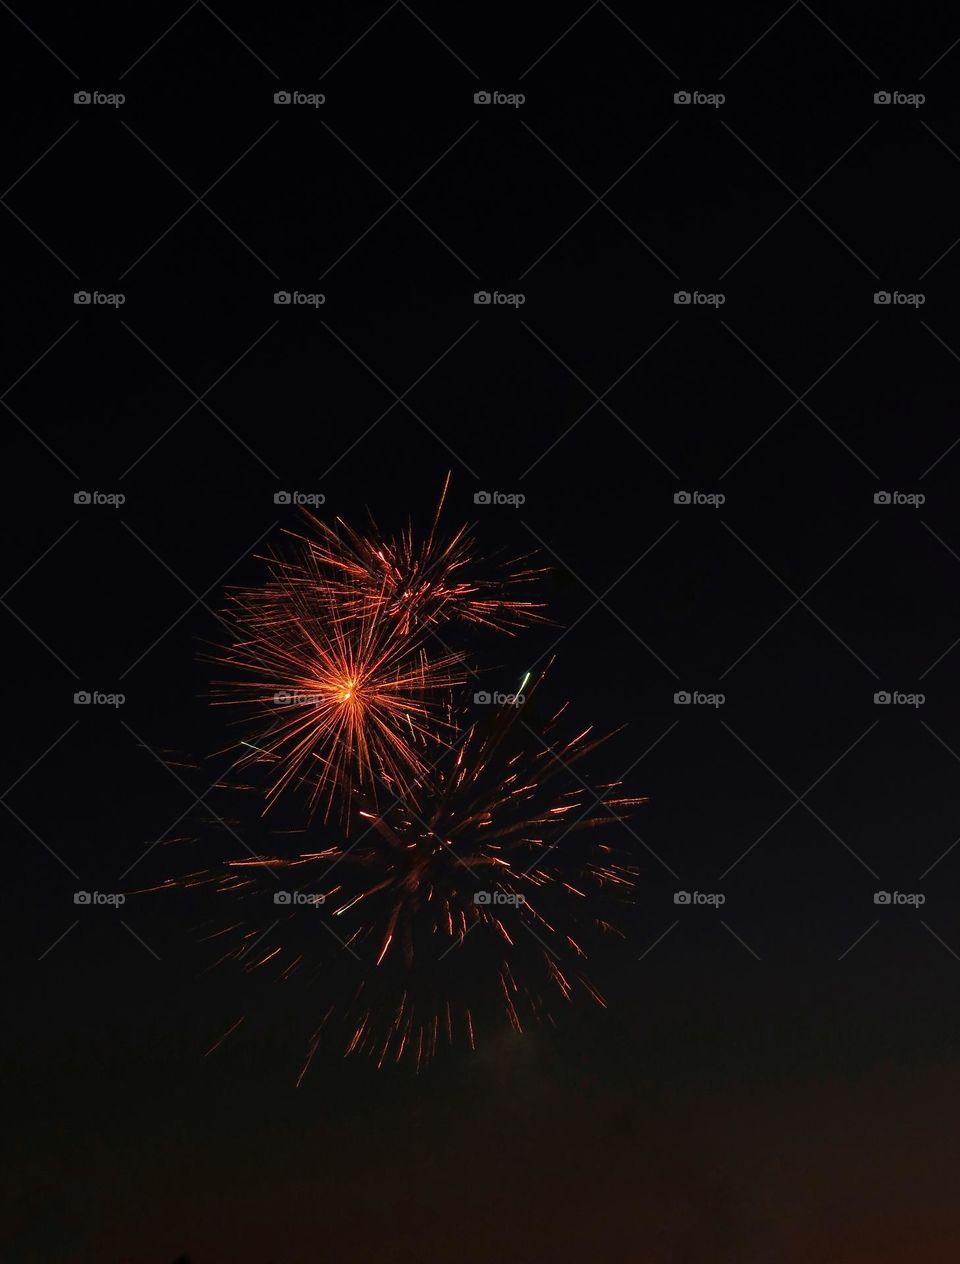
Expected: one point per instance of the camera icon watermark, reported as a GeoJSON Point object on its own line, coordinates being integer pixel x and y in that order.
{"type": "Point", "coordinates": [296, 698]}
{"type": "Point", "coordinates": [898, 298]}
{"type": "Point", "coordinates": [294, 298]}
{"type": "Point", "coordinates": [515, 499]}
{"type": "Point", "coordinates": [115, 99]}
{"type": "Point", "coordinates": [298, 898]}
{"type": "Point", "coordinates": [484, 698]}
{"type": "Point", "coordinates": [912, 499]}
{"type": "Point", "coordinates": [94, 298]}
{"type": "Point", "coordinates": [712, 898]}
{"type": "Point", "coordinates": [714, 99]}
{"type": "Point", "coordinates": [915, 99]}
{"type": "Point", "coordinates": [314, 499]}
{"type": "Point", "coordinates": [912, 899]}
{"type": "Point", "coordinates": [94, 698]}
{"type": "Point", "coordinates": [515, 99]}
{"type": "Point", "coordinates": [894, 698]}
{"type": "Point", "coordinates": [91, 899]}
{"type": "Point", "coordinates": [712, 499]}
{"type": "Point", "coordinates": [113, 499]}
{"type": "Point", "coordinates": [299, 98]}
{"type": "Point", "coordinates": [694, 698]}
{"type": "Point", "coordinates": [494, 298]}
{"type": "Point", "coordinates": [697, 298]}
{"type": "Point", "coordinates": [488, 898]}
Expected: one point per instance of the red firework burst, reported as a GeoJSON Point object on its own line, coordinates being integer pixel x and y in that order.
{"type": "Point", "coordinates": [458, 877]}
{"type": "Point", "coordinates": [487, 844]}
{"type": "Point", "coordinates": [332, 705]}
{"type": "Point", "coordinates": [419, 584]}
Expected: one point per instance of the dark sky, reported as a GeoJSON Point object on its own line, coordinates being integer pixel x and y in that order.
{"type": "Point", "coordinates": [773, 1079]}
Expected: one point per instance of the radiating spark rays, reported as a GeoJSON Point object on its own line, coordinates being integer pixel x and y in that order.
{"type": "Point", "coordinates": [447, 832]}
{"type": "Point", "coordinates": [495, 820]}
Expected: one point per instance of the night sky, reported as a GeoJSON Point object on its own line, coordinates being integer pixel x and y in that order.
{"type": "Point", "coordinates": [775, 1077]}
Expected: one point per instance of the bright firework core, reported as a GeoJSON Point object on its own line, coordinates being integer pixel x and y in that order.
{"type": "Point", "coordinates": [437, 822]}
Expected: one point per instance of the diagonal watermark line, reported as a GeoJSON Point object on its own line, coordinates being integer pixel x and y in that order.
{"type": "Point", "coordinates": [432, 32]}
{"type": "Point", "coordinates": [383, 215]}
{"type": "Point", "coordinates": [400, 399]}
{"type": "Point", "coordinates": [599, 599]}
{"type": "Point", "coordinates": [140, 941]}
{"type": "Point", "coordinates": [940, 941]}
{"type": "Point", "coordinates": [952, 152]}
{"type": "Point", "coordinates": [186, 812]}
{"type": "Point", "coordinates": [200, 399]}
{"type": "Point", "coordinates": [937, 736]}
{"type": "Point", "coordinates": [617, 18]}
{"type": "Point", "coordinates": [777, 22]}
{"type": "Point", "coordinates": [641, 42]}
{"type": "Point", "coordinates": [939, 259]}
{"type": "Point", "coordinates": [940, 657]}
{"type": "Point", "coordinates": [458, 943]}
{"type": "Point", "coordinates": [798, 199]}
{"type": "Point", "coordinates": [37, 237]}
{"type": "Point", "coordinates": [787, 810]}
{"type": "Point", "coordinates": [30, 830]}
{"type": "Point", "coordinates": [350, 49]}
{"type": "Point", "coordinates": [945, 53]}
{"type": "Point", "coordinates": [597, 201]}
{"type": "Point", "coordinates": [843, 43]}
{"type": "Point", "coordinates": [190, 8]}
{"type": "Point", "coordinates": [3, 399]}
{"type": "Point", "coordinates": [343, 944]}
{"type": "Point", "coordinates": [198, 199]}
{"type": "Point", "coordinates": [396, 801]}
{"type": "Point", "coordinates": [10, 610]}
{"type": "Point", "coordinates": [858, 940]}
{"type": "Point", "coordinates": [36, 161]}
{"type": "Point", "coordinates": [801, 798]}
{"type": "Point", "coordinates": [799, 399]}
{"type": "Point", "coordinates": [583, 614]}
{"type": "Point", "coordinates": [940, 540]}
{"type": "Point", "coordinates": [542, 942]}
{"type": "Point", "coordinates": [798, 600]}
{"type": "Point", "coordinates": [58, 940]}
{"type": "Point", "coordinates": [946, 347]}
{"type": "Point", "coordinates": [398, 198]}
{"type": "Point", "coordinates": [197, 799]}
{"type": "Point", "coordinates": [254, 55]}
{"type": "Point", "coordinates": [599, 800]}
{"type": "Point", "coordinates": [40, 357]}
{"type": "Point", "coordinates": [740, 941]}
{"type": "Point", "coordinates": [659, 939]}
{"type": "Point", "coordinates": [197, 600]}
{"type": "Point", "coordinates": [49, 549]}
{"type": "Point", "coordinates": [54, 55]}
{"type": "Point", "coordinates": [599, 399]}
{"type": "Point", "coordinates": [244, 952]}
{"type": "Point", "coordinates": [43, 443]}
{"type": "Point", "coordinates": [563, 36]}
{"type": "Point", "coordinates": [51, 747]}
{"type": "Point", "coordinates": [598, 198]}
{"type": "Point", "coordinates": [942, 856]}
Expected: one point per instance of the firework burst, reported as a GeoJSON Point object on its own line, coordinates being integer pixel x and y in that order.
{"type": "Point", "coordinates": [330, 706]}
{"type": "Point", "coordinates": [461, 875]}
{"type": "Point", "coordinates": [419, 584]}
{"type": "Point", "coordinates": [478, 892]}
